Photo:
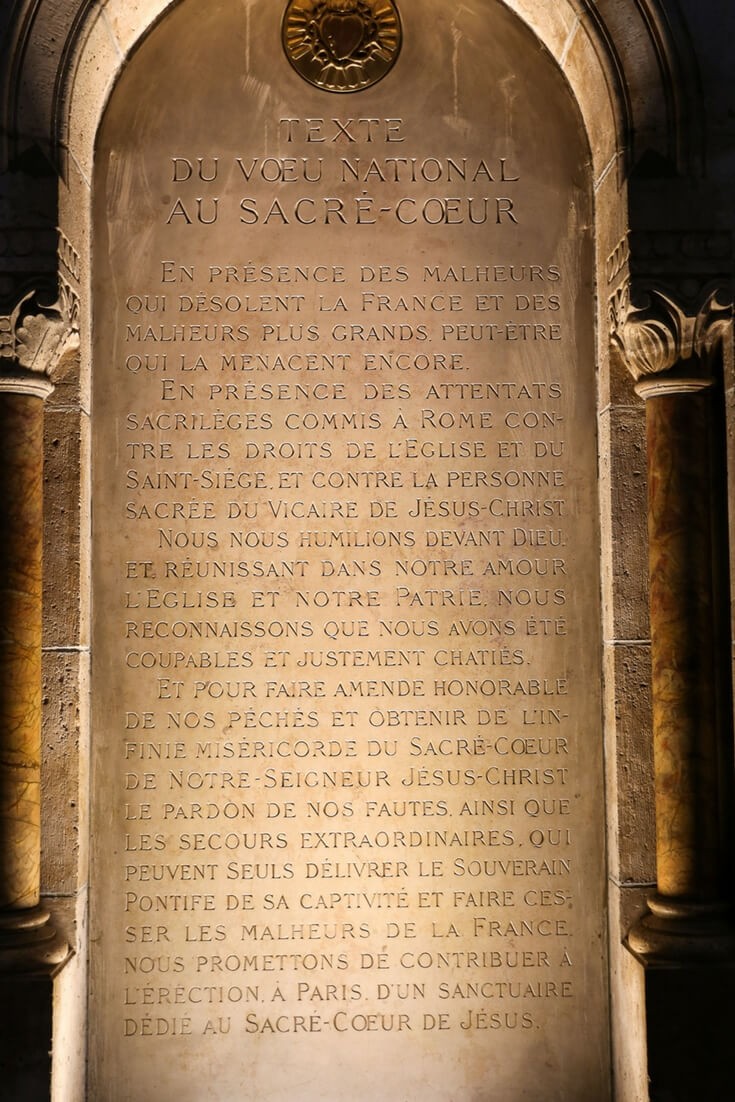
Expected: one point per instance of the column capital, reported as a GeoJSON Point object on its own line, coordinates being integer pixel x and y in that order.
{"type": "Point", "coordinates": [34, 341]}
{"type": "Point", "coordinates": [666, 348]}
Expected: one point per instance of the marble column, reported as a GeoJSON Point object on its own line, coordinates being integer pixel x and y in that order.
{"type": "Point", "coordinates": [28, 941]}
{"type": "Point", "coordinates": [669, 354]}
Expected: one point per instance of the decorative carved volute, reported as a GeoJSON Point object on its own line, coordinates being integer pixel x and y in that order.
{"type": "Point", "coordinates": [35, 339]}
{"type": "Point", "coordinates": [661, 341]}
{"type": "Point", "coordinates": [711, 326]}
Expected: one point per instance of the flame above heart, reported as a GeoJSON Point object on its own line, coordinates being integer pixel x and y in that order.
{"type": "Point", "coordinates": [342, 33]}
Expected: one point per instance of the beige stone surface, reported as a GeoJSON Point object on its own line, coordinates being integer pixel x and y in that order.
{"type": "Point", "coordinates": [68, 1080]}
{"type": "Point", "coordinates": [632, 839]}
{"type": "Point", "coordinates": [63, 672]}
{"type": "Point", "coordinates": [612, 256]}
{"type": "Point", "coordinates": [554, 24]}
{"type": "Point", "coordinates": [66, 393]}
{"type": "Point", "coordinates": [63, 625]}
{"type": "Point", "coordinates": [129, 20]}
{"type": "Point", "coordinates": [243, 783]}
{"type": "Point", "coordinates": [90, 81]}
{"type": "Point", "coordinates": [622, 393]}
{"type": "Point", "coordinates": [582, 65]}
{"type": "Point", "coordinates": [623, 466]}
{"type": "Point", "coordinates": [627, 996]}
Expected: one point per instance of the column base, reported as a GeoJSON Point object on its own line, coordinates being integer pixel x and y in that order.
{"type": "Point", "coordinates": [29, 944]}
{"type": "Point", "coordinates": [682, 932]}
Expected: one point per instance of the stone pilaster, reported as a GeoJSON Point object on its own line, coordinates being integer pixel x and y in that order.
{"type": "Point", "coordinates": [670, 355]}
{"type": "Point", "coordinates": [33, 340]}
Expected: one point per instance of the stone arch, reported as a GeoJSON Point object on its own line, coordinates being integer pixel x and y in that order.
{"type": "Point", "coordinates": [574, 35]}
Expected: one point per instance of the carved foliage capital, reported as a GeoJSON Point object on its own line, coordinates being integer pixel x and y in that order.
{"type": "Point", "coordinates": [660, 338]}
{"type": "Point", "coordinates": [35, 338]}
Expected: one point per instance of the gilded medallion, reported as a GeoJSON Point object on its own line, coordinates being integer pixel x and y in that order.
{"type": "Point", "coordinates": [342, 45]}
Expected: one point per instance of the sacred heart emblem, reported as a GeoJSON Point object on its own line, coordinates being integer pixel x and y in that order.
{"type": "Point", "coordinates": [342, 33]}
{"type": "Point", "coordinates": [342, 45]}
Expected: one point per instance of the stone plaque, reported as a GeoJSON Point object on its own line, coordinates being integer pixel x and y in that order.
{"type": "Point", "coordinates": [347, 784]}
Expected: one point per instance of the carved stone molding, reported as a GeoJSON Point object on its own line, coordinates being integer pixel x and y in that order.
{"type": "Point", "coordinates": [35, 339]}
{"type": "Point", "coordinates": [662, 345]}
{"type": "Point", "coordinates": [618, 262]}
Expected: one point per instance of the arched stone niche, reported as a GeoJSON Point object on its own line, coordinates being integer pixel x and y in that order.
{"type": "Point", "coordinates": [112, 34]}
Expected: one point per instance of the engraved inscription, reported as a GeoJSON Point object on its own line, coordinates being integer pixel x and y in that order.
{"type": "Point", "coordinates": [347, 762]}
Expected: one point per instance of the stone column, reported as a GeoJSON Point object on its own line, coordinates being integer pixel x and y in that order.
{"type": "Point", "coordinates": [30, 346]}
{"type": "Point", "coordinates": [669, 355]}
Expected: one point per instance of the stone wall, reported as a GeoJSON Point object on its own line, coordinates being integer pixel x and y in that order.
{"type": "Point", "coordinates": [652, 81]}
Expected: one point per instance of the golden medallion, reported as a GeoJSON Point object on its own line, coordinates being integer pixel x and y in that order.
{"type": "Point", "coordinates": [342, 45]}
